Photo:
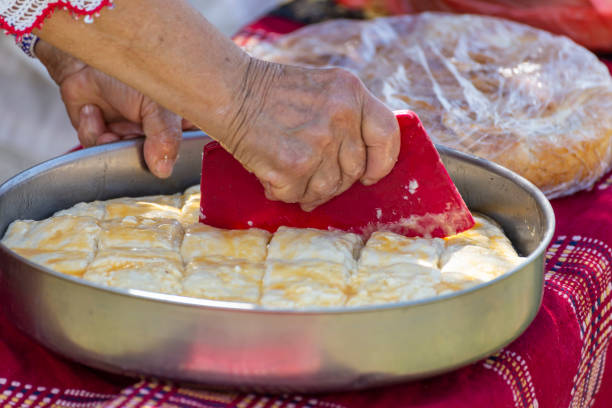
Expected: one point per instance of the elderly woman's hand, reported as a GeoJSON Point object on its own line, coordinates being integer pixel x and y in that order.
{"type": "Point", "coordinates": [103, 110]}
{"type": "Point", "coordinates": [309, 134]}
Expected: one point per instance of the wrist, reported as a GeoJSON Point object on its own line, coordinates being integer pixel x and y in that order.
{"type": "Point", "coordinates": [254, 83]}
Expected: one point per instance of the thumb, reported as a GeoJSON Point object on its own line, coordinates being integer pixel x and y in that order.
{"type": "Point", "coordinates": [163, 132]}
{"type": "Point", "coordinates": [91, 125]}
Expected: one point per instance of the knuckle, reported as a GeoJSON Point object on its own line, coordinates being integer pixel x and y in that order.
{"type": "Point", "coordinates": [279, 187]}
{"type": "Point", "coordinates": [353, 156]}
{"type": "Point", "coordinates": [269, 192]}
{"type": "Point", "coordinates": [271, 180]}
{"type": "Point", "coordinates": [348, 80]}
{"type": "Point", "coordinates": [344, 111]}
{"type": "Point", "coordinates": [299, 163]}
{"type": "Point", "coordinates": [304, 165]}
{"type": "Point", "coordinates": [343, 74]}
{"type": "Point", "coordinates": [286, 195]}
{"type": "Point", "coordinates": [355, 169]}
{"type": "Point", "coordinates": [323, 187]}
{"type": "Point", "coordinates": [322, 139]}
{"type": "Point", "coordinates": [380, 122]}
{"type": "Point", "coordinates": [391, 131]}
{"type": "Point", "coordinates": [72, 88]}
{"type": "Point", "coordinates": [287, 160]}
{"type": "Point", "coordinates": [70, 91]}
{"type": "Point", "coordinates": [149, 108]}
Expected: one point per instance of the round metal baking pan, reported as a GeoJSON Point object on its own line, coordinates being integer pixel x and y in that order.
{"type": "Point", "coordinates": [224, 344]}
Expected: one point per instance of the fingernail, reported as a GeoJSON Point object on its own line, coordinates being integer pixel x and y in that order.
{"type": "Point", "coordinates": [367, 182]}
{"type": "Point", "coordinates": [310, 206]}
{"type": "Point", "coordinates": [87, 110]}
{"type": "Point", "coordinates": [164, 167]}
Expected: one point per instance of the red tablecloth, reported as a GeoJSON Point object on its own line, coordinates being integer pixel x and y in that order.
{"type": "Point", "coordinates": [560, 361]}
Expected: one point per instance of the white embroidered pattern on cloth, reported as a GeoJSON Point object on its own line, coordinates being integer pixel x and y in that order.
{"type": "Point", "coordinates": [21, 16]}
{"type": "Point", "coordinates": [513, 369]}
{"type": "Point", "coordinates": [150, 394]}
{"type": "Point", "coordinates": [18, 394]}
{"type": "Point", "coordinates": [580, 270]}
{"type": "Point", "coordinates": [153, 394]}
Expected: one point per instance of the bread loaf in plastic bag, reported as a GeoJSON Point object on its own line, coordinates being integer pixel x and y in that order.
{"type": "Point", "coordinates": [529, 100]}
{"type": "Point", "coordinates": [588, 22]}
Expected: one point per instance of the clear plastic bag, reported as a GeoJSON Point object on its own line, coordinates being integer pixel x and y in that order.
{"type": "Point", "coordinates": [534, 102]}
{"type": "Point", "coordinates": [588, 22]}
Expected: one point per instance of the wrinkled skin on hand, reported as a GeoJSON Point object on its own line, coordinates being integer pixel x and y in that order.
{"type": "Point", "coordinates": [309, 134]}
{"type": "Point", "coordinates": [103, 110]}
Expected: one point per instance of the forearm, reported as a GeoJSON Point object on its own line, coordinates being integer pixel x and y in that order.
{"type": "Point", "coordinates": [165, 49]}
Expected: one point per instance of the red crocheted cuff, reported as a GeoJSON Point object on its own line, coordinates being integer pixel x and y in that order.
{"type": "Point", "coordinates": [61, 4]}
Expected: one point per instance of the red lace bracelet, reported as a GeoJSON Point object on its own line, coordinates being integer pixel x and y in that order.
{"type": "Point", "coordinates": [19, 17]}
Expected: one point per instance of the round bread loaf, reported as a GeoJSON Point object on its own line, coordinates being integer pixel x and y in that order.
{"type": "Point", "coordinates": [531, 101]}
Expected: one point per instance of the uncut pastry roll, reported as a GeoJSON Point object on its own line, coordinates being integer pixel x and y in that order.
{"type": "Point", "coordinates": [68, 262]}
{"type": "Point", "coordinates": [203, 241]}
{"type": "Point", "coordinates": [386, 248]}
{"type": "Point", "coordinates": [476, 262]}
{"type": "Point", "coordinates": [485, 233]}
{"type": "Point", "coordinates": [138, 232]}
{"type": "Point", "coordinates": [302, 284]}
{"type": "Point", "coordinates": [151, 270]}
{"type": "Point", "coordinates": [159, 206]}
{"type": "Point", "coordinates": [452, 281]}
{"type": "Point", "coordinates": [304, 244]}
{"type": "Point", "coordinates": [393, 283]}
{"type": "Point", "coordinates": [66, 233]}
{"type": "Point", "coordinates": [190, 212]}
{"type": "Point", "coordinates": [221, 279]}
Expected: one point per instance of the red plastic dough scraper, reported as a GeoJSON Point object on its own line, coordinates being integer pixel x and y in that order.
{"type": "Point", "coordinates": [417, 198]}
